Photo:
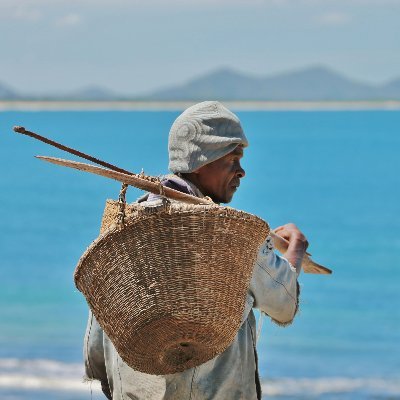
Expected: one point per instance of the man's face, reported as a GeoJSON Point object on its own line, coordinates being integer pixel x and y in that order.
{"type": "Point", "coordinates": [220, 178]}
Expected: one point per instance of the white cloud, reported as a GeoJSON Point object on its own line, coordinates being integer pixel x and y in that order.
{"type": "Point", "coordinates": [333, 19]}
{"type": "Point", "coordinates": [69, 20]}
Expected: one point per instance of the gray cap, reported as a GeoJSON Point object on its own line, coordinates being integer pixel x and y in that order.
{"type": "Point", "coordinates": [202, 134]}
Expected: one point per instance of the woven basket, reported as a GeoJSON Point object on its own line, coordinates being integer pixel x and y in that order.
{"type": "Point", "coordinates": [169, 287]}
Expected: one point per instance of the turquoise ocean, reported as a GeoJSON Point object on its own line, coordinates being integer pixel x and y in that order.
{"type": "Point", "coordinates": [336, 174]}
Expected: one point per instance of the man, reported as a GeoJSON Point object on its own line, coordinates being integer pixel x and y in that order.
{"type": "Point", "coordinates": [206, 145]}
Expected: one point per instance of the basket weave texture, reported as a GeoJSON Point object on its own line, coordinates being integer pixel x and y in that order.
{"type": "Point", "coordinates": [169, 287]}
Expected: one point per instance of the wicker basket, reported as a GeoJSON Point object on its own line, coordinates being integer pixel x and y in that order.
{"type": "Point", "coordinates": [169, 287]}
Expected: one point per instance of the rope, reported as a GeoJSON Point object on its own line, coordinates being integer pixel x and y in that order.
{"type": "Point", "coordinates": [121, 205]}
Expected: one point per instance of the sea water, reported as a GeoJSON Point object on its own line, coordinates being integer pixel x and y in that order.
{"type": "Point", "coordinates": [335, 174]}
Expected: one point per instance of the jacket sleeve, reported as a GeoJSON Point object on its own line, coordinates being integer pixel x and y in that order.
{"type": "Point", "coordinates": [93, 350]}
{"type": "Point", "coordinates": [274, 285]}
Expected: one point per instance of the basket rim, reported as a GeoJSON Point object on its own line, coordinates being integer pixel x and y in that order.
{"type": "Point", "coordinates": [149, 211]}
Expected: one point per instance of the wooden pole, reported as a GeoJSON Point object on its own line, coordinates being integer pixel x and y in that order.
{"type": "Point", "coordinates": [152, 185]}
{"type": "Point", "coordinates": [143, 182]}
{"type": "Point", "coordinates": [149, 184]}
{"type": "Point", "coordinates": [23, 131]}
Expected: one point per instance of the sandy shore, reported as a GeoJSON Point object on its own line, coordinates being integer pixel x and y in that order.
{"type": "Point", "coordinates": [181, 105]}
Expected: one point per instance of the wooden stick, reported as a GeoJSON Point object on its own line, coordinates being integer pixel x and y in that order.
{"type": "Point", "coordinates": [152, 185]}
{"type": "Point", "coordinates": [308, 265]}
{"type": "Point", "coordinates": [281, 242]}
{"type": "Point", "coordinates": [21, 129]}
{"type": "Point", "coordinates": [143, 182]}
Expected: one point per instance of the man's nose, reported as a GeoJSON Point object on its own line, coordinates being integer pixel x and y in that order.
{"type": "Point", "coordinates": [240, 172]}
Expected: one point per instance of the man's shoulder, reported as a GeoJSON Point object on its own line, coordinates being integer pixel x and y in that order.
{"type": "Point", "coordinates": [173, 182]}
{"type": "Point", "coordinates": [177, 183]}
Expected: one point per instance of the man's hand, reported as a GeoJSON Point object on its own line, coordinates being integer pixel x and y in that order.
{"type": "Point", "coordinates": [297, 244]}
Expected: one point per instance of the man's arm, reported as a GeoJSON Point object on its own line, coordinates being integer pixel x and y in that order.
{"type": "Point", "coordinates": [274, 285]}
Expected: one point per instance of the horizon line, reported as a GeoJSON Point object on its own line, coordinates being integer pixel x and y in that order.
{"type": "Point", "coordinates": [172, 105]}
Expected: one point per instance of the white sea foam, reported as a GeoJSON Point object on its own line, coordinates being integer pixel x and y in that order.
{"type": "Point", "coordinates": [33, 382]}
{"type": "Point", "coordinates": [331, 385]}
{"type": "Point", "coordinates": [43, 374]}
{"type": "Point", "coordinates": [40, 366]}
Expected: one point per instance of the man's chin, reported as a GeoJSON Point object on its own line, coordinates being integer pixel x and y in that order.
{"type": "Point", "coordinates": [223, 198]}
{"type": "Point", "coordinates": [227, 199]}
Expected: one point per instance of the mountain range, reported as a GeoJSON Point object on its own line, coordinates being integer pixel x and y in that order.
{"type": "Point", "coordinates": [310, 84]}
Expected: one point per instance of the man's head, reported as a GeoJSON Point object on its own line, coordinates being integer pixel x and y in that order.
{"type": "Point", "coordinates": [220, 178]}
{"type": "Point", "coordinates": [206, 144]}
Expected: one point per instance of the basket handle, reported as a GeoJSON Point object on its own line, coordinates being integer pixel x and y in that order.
{"type": "Point", "coordinates": [122, 205]}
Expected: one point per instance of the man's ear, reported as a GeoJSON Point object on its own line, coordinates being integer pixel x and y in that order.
{"type": "Point", "coordinates": [197, 171]}
{"type": "Point", "coordinates": [190, 175]}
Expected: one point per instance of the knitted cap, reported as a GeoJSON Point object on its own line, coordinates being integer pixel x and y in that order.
{"type": "Point", "coordinates": [202, 134]}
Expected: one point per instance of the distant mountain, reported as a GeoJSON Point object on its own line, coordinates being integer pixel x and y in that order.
{"type": "Point", "coordinates": [391, 89]}
{"type": "Point", "coordinates": [220, 84]}
{"type": "Point", "coordinates": [87, 93]}
{"type": "Point", "coordinates": [310, 84]}
{"type": "Point", "coordinates": [7, 93]}
{"type": "Point", "coordinates": [92, 93]}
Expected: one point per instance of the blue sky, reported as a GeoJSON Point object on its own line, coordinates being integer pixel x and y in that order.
{"type": "Point", "coordinates": [130, 46]}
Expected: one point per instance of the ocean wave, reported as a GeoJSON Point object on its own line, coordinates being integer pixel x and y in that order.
{"type": "Point", "coordinates": [33, 382]}
{"type": "Point", "coordinates": [42, 374]}
{"type": "Point", "coordinates": [40, 366]}
{"type": "Point", "coordinates": [331, 385]}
